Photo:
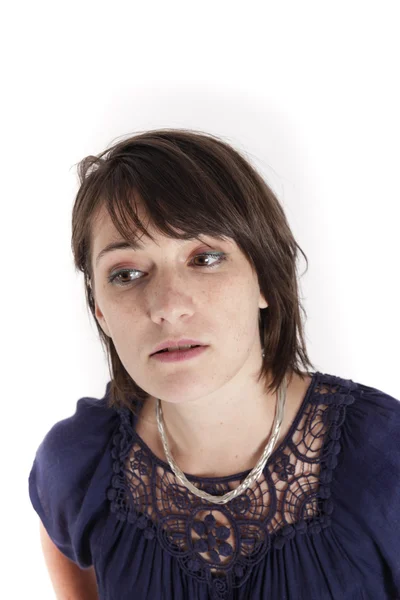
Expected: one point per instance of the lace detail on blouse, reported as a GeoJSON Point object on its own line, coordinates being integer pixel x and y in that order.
{"type": "Point", "coordinates": [221, 544]}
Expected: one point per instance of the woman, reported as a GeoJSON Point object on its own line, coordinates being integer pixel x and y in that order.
{"type": "Point", "coordinates": [219, 463]}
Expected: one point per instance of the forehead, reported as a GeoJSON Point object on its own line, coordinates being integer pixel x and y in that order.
{"type": "Point", "coordinates": [104, 231]}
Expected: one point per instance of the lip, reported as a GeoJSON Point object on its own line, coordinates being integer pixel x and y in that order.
{"type": "Point", "coordinates": [173, 343]}
{"type": "Point", "coordinates": [179, 355]}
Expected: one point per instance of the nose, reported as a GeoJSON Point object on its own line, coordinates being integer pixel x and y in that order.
{"type": "Point", "coordinates": [170, 298]}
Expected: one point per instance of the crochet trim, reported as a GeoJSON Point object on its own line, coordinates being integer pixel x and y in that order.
{"type": "Point", "coordinates": [221, 544]}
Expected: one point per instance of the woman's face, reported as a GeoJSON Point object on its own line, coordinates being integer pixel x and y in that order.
{"type": "Point", "coordinates": [166, 291]}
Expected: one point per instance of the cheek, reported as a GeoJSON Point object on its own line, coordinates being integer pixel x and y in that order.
{"type": "Point", "coordinates": [236, 308]}
{"type": "Point", "coordinates": [125, 325]}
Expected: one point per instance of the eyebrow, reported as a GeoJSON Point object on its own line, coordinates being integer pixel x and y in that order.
{"type": "Point", "coordinates": [121, 245]}
{"type": "Point", "coordinates": [124, 244]}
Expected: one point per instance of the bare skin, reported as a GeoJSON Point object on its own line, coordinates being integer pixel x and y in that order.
{"type": "Point", "coordinates": [212, 404]}
{"type": "Point", "coordinates": [241, 454]}
{"type": "Point", "coordinates": [69, 581]}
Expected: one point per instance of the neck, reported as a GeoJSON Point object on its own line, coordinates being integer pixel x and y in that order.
{"type": "Point", "coordinates": [218, 434]}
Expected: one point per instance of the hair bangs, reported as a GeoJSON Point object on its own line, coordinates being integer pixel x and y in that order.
{"type": "Point", "coordinates": [187, 184]}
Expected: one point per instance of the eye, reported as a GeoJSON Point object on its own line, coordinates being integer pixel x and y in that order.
{"type": "Point", "coordinates": [218, 258]}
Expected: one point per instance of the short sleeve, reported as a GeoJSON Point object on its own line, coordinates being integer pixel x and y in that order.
{"type": "Point", "coordinates": [64, 469]}
{"type": "Point", "coordinates": [368, 486]}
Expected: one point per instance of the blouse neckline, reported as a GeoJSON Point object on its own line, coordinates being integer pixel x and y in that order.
{"type": "Point", "coordinates": [242, 474]}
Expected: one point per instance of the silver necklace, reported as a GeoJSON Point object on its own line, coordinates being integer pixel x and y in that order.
{"type": "Point", "coordinates": [251, 477]}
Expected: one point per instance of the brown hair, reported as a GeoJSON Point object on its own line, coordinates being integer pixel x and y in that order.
{"type": "Point", "coordinates": [194, 182]}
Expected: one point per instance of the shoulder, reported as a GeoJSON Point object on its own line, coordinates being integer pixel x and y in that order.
{"type": "Point", "coordinates": [373, 436]}
{"type": "Point", "coordinates": [70, 451]}
{"type": "Point", "coordinates": [63, 472]}
{"type": "Point", "coordinates": [368, 417]}
{"type": "Point", "coordinates": [373, 418]}
{"type": "Point", "coordinates": [362, 428]}
{"type": "Point", "coordinates": [364, 434]}
{"type": "Point", "coordinates": [366, 474]}
{"type": "Point", "coordinates": [82, 433]}
{"type": "Point", "coordinates": [368, 408]}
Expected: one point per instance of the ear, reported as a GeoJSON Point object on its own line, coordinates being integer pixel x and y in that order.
{"type": "Point", "coordinates": [101, 319]}
{"type": "Point", "coordinates": [262, 303]}
{"type": "Point", "coordinates": [97, 312]}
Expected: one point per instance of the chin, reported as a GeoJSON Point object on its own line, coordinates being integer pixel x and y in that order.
{"type": "Point", "coordinates": [177, 393]}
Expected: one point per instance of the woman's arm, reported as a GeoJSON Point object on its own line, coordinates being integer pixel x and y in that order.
{"type": "Point", "coordinates": [69, 581]}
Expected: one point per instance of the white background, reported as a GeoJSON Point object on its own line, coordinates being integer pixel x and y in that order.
{"type": "Point", "coordinates": [308, 90]}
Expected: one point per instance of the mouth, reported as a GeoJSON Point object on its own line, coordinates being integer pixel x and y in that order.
{"type": "Point", "coordinates": [180, 349]}
{"type": "Point", "coordinates": [179, 354]}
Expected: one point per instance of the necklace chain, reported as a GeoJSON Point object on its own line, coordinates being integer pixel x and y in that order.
{"type": "Point", "coordinates": [251, 477]}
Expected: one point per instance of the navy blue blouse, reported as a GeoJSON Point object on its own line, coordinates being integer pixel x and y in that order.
{"type": "Point", "coordinates": [322, 522]}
